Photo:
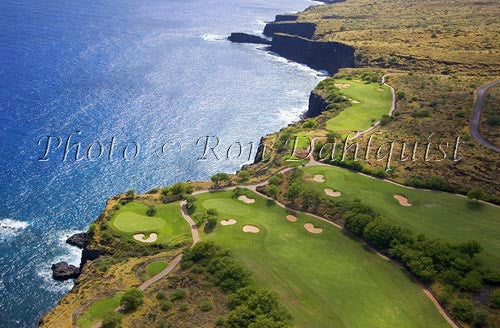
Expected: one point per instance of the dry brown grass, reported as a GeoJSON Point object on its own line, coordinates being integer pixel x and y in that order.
{"type": "Point", "coordinates": [454, 35]}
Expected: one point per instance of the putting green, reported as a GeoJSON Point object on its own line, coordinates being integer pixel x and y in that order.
{"type": "Point", "coordinates": [97, 311]}
{"type": "Point", "coordinates": [435, 214]}
{"type": "Point", "coordinates": [168, 222]}
{"type": "Point", "coordinates": [133, 222]}
{"type": "Point", "coordinates": [325, 280]}
{"type": "Point", "coordinates": [374, 101]}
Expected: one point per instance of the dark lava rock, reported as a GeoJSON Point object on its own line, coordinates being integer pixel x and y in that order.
{"type": "Point", "coordinates": [238, 37]}
{"type": "Point", "coordinates": [64, 271]}
{"type": "Point", "coordinates": [80, 240]}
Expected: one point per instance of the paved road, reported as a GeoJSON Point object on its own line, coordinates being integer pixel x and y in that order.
{"type": "Point", "coordinates": [476, 116]}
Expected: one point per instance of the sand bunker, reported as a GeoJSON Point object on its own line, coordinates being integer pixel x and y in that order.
{"type": "Point", "coordinates": [342, 85]}
{"type": "Point", "coordinates": [310, 227]}
{"type": "Point", "coordinates": [332, 193]}
{"type": "Point", "coordinates": [291, 218]}
{"type": "Point", "coordinates": [140, 237]}
{"type": "Point", "coordinates": [228, 222]}
{"type": "Point", "coordinates": [354, 101]}
{"type": "Point", "coordinates": [319, 178]}
{"type": "Point", "coordinates": [403, 201]}
{"type": "Point", "coordinates": [380, 89]}
{"type": "Point", "coordinates": [245, 199]}
{"type": "Point", "coordinates": [249, 228]}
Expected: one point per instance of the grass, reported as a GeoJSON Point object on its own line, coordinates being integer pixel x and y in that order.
{"type": "Point", "coordinates": [325, 280]}
{"type": "Point", "coordinates": [168, 222]}
{"type": "Point", "coordinates": [373, 104]}
{"type": "Point", "coordinates": [97, 311]}
{"type": "Point", "coordinates": [435, 214]}
{"type": "Point", "coordinates": [153, 268]}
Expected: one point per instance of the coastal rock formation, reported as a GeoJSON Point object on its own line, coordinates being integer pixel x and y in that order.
{"type": "Point", "coordinates": [64, 271]}
{"type": "Point", "coordinates": [317, 104]}
{"type": "Point", "coordinates": [89, 255]}
{"type": "Point", "coordinates": [285, 17]}
{"type": "Point", "coordinates": [80, 240]}
{"type": "Point", "coordinates": [305, 30]}
{"type": "Point", "coordinates": [320, 55]}
{"type": "Point", "coordinates": [238, 37]}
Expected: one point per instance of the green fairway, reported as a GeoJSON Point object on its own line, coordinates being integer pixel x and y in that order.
{"type": "Point", "coordinates": [325, 280]}
{"type": "Point", "coordinates": [435, 214]}
{"type": "Point", "coordinates": [168, 222]}
{"type": "Point", "coordinates": [97, 311]}
{"type": "Point", "coordinates": [374, 101]}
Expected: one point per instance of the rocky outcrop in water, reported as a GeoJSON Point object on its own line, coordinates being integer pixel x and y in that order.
{"type": "Point", "coordinates": [80, 240]}
{"type": "Point", "coordinates": [305, 29]}
{"type": "Point", "coordinates": [238, 37]}
{"type": "Point", "coordinates": [317, 104]}
{"type": "Point", "coordinates": [64, 271]}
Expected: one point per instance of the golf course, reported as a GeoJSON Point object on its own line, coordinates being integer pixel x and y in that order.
{"type": "Point", "coordinates": [369, 102]}
{"type": "Point", "coordinates": [167, 224]}
{"type": "Point", "coordinates": [435, 214]}
{"type": "Point", "coordinates": [98, 310]}
{"type": "Point", "coordinates": [324, 278]}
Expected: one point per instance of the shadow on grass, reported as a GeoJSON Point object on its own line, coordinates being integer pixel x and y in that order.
{"type": "Point", "coordinates": [270, 203]}
{"type": "Point", "coordinates": [474, 205]}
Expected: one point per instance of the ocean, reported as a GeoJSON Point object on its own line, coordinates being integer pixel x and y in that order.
{"type": "Point", "coordinates": [98, 97]}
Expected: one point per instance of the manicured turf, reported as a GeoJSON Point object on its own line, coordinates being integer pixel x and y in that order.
{"type": "Point", "coordinates": [155, 267]}
{"type": "Point", "coordinates": [373, 104]}
{"type": "Point", "coordinates": [168, 222]}
{"type": "Point", "coordinates": [97, 311]}
{"type": "Point", "coordinates": [325, 280]}
{"type": "Point", "coordinates": [435, 214]}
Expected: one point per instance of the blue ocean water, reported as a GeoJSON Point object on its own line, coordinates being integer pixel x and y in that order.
{"type": "Point", "coordinates": [152, 73]}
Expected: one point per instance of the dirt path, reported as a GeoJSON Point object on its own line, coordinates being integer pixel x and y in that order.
{"type": "Point", "coordinates": [476, 116]}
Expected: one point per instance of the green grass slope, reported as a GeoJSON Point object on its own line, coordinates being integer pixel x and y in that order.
{"type": "Point", "coordinates": [168, 222]}
{"type": "Point", "coordinates": [374, 102]}
{"type": "Point", "coordinates": [436, 214]}
{"type": "Point", "coordinates": [325, 280]}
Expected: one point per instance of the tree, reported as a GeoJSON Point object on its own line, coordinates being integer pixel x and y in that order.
{"type": "Point", "coordinates": [476, 194]}
{"type": "Point", "coordinates": [401, 95]}
{"type": "Point", "coordinates": [219, 178]}
{"type": "Point", "coordinates": [151, 210]}
{"type": "Point", "coordinates": [130, 194]}
{"type": "Point", "coordinates": [211, 223]}
{"type": "Point", "coordinates": [463, 309]}
{"type": "Point", "coordinates": [470, 248]}
{"type": "Point", "coordinates": [494, 300]}
{"type": "Point", "coordinates": [276, 179]}
{"type": "Point", "coordinates": [243, 176]}
{"type": "Point", "coordinates": [131, 299]}
{"type": "Point", "coordinates": [111, 320]}
{"type": "Point", "coordinates": [294, 191]}
{"type": "Point", "coordinates": [271, 191]}
{"type": "Point", "coordinates": [190, 203]}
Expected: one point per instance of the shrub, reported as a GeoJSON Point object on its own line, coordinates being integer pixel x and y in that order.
{"type": "Point", "coordinates": [271, 191]}
{"type": "Point", "coordinates": [400, 95]}
{"type": "Point", "coordinates": [463, 309]}
{"type": "Point", "coordinates": [183, 307]}
{"type": "Point", "coordinates": [243, 176]}
{"type": "Point", "coordinates": [493, 121]}
{"type": "Point", "coordinates": [476, 194]}
{"type": "Point", "coordinates": [220, 178]}
{"type": "Point", "coordinates": [160, 296]}
{"type": "Point", "coordinates": [131, 299]}
{"type": "Point", "coordinates": [206, 305]}
{"type": "Point", "coordinates": [166, 306]}
{"type": "Point", "coordinates": [111, 320]}
{"type": "Point", "coordinates": [386, 119]}
{"type": "Point", "coordinates": [494, 299]}
{"type": "Point", "coordinates": [130, 194]}
{"type": "Point", "coordinates": [310, 124]}
{"type": "Point", "coordinates": [178, 294]}
{"type": "Point", "coordinates": [211, 224]}
{"type": "Point", "coordinates": [276, 179]}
